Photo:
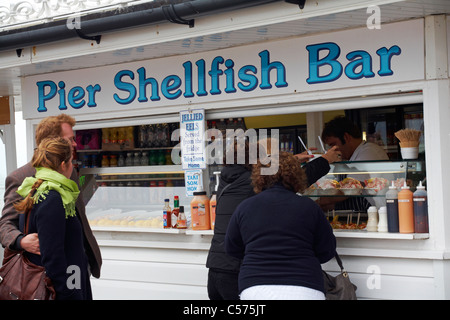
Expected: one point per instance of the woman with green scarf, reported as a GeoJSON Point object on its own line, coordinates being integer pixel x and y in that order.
{"type": "Point", "coordinates": [49, 199]}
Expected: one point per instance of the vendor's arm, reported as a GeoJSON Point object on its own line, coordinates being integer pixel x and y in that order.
{"type": "Point", "coordinates": [320, 166]}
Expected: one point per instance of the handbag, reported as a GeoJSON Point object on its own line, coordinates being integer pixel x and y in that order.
{"type": "Point", "coordinates": [21, 279]}
{"type": "Point", "coordinates": [339, 287]}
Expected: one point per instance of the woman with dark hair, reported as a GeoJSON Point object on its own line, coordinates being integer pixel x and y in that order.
{"type": "Point", "coordinates": [234, 187]}
{"type": "Point", "coordinates": [281, 237]}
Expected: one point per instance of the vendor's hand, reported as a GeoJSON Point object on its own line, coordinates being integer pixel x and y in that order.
{"type": "Point", "coordinates": [30, 243]}
{"type": "Point", "coordinates": [333, 155]}
{"type": "Point", "coordinates": [304, 156]}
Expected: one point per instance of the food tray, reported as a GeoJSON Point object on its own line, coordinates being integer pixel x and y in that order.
{"type": "Point", "coordinates": [351, 191]}
{"type": "Point", "coordinates": [327, 192]}
{"type": "Point", "coordinates": [374, 191]}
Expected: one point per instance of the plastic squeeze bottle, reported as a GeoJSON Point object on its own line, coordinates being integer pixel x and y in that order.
{"type": "Point", "coordinates": [392, 208]}
{"type": "Point", "coordinates": [212, 209]}
{"type": "Point", "coordinates": [382, 220]}
{"type": "Point", "coordinates": [420, 200]}
{"type": "Point", "coordinates": [372, 222]}
{"type": "Point", "coordinates": [405, 210]}
{"type": "Point", "coordinates": [200, 211]}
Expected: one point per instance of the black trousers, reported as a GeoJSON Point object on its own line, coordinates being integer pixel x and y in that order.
{"type": "Point", "coordinates": [222, 285]}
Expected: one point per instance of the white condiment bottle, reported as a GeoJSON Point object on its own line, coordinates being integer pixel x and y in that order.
{"type": "Point", "coordinates": [382, 220]}
{"type": "Point", "coordinates": [372, 222]}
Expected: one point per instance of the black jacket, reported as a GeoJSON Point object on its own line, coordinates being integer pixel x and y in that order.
{"type": "Point", "coordinates": [237, 181]}
{"type": "Point", "coordinates": [282, 238]}
{"type": "Point", "coordinates": [62, 248]}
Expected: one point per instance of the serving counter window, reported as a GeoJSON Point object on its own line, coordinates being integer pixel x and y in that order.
{"type": "Point", "coordinates": [126, 173]}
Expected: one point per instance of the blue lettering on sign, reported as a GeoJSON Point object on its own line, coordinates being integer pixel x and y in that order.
{"type": "Point", "coordinates": [222, 77]}
{"type": "Point", "coordinates": [48, 89]}
{"type": "Point", "coordinates": [359, 66]}
{"type": "Point", "coordinates": [188, 117]}
{"type": "Point", "coordinates": [124, 86]}
{"type": "Point", "coordinates": [131, 85]}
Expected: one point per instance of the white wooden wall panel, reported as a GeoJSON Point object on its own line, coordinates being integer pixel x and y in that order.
{"type": "Point", "coordinates": [170, 273]}
{"type": "Point", "coordinates": [128, 290]}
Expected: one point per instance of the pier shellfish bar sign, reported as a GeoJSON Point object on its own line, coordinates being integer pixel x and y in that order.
{"type": "Point", "coordinates": [340, 59]}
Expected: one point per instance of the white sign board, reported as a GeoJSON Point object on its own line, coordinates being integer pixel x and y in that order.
{"type": "Point", "coordinates": [192, 138]}
{"type": "Point", "coordinates": [347, 58]}
{"type": "Point", "coordinates": [194, 181]}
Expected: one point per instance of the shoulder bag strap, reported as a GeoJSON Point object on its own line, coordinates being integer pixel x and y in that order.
{"type": "Point", "coordinates": [27, 222]}
{"type": "Point", "coordinates": [339, 261]}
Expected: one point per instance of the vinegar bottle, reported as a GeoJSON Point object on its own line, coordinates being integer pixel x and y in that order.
{"type": "Point", "coordinates": [181, 221]}
{"type": "Point", "coordinates": [392, 208]}
{"type": "Point", "coordinates": [420, 201]}
{"type": "Point", "coordinates": [405, 210]}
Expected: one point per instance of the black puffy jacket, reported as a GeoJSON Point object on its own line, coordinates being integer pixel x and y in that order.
{"type": "Point", "coordinates": [236, 179]}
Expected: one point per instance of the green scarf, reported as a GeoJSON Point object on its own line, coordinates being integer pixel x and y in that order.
{"type": "Point", "coordinates": [53, 180]}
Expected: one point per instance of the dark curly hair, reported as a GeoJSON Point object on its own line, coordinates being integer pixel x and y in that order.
{"type": "Point", "coordinates": [290, 174]}
{"type": "Point", "coordinates": [338, 126]}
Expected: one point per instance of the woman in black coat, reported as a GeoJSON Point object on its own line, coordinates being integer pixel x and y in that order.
{"type": "Point", "coordinates": [234, 187]}
{"type": "Point", "coordinates": [281, 237]}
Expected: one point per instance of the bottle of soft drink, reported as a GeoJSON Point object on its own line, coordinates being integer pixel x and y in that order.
{"type": "Point", "coordinates": [142, 137]}
{"type": "Point", "coordinates": [150, 135]}
{"type": "Point", "coordinates": [129, 160]}
{"type": "Point", "coordinates": [222, 126]}
{"type": "Point", "coordinates": [144, 159]}
{"type": "Point", "coordinates": [157, 136]}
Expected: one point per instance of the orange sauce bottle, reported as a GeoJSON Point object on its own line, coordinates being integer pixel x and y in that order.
{"type": "Point", "coordinates": [405, 210]}
{"type": "Point", "coordinates": [212, 209]}
{"type": "Point", "coordinates": [200, 211]}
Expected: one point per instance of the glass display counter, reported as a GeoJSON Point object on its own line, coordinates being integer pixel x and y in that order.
{"type": "Point", "coordinates": [369, 179]}
{"type": "Point", "coordinates": [124, 197]}
{"type": "Point", "coordinates": [350, 188]}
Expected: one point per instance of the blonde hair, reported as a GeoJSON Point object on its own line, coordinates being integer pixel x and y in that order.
{"type": "Point", "coordinates": [50, 153]}
{"type": "Point", "coordinates": [51, 126]}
